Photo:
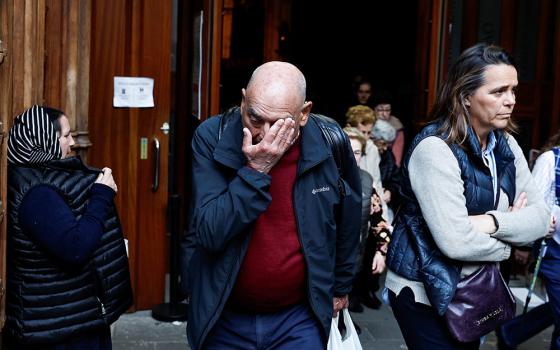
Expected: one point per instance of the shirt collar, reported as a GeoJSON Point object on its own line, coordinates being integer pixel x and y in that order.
{"type": "Point", "coordinates": [491, 143]}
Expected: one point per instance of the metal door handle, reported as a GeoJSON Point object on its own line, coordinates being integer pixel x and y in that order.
{"type": "Point", "coordinates": [155, 143]}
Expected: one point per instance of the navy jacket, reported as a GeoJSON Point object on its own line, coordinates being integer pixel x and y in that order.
{"type": "Point", "coordinates": [413, 252]}
{"type": "Point", "coordinates": [227, 199]}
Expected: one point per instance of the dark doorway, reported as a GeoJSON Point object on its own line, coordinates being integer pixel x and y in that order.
{"type": "Point", "coordinates": [331, 43]}
{"type": "Point", "coordinates": [334, 42]}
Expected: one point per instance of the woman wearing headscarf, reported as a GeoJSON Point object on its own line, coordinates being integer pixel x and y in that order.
{"type": "Point", "coordinates": [67, 269]}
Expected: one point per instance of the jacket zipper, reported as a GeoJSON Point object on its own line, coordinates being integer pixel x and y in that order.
{"type": "Point", "coordinates": [103, 311]}
{"type": "Point", "coordinates": [310, 298]}
{"type": "Point", "coordinates": [98, 290]}
{"type": "Point", "coordinates": [216, 314]}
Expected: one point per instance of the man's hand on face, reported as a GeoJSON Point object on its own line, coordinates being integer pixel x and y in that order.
{"type": "Point", "coordinates": [265, 154]}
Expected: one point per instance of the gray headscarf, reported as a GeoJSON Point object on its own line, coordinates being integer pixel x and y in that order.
{"type": "Point", "coordinates": [33, 138]}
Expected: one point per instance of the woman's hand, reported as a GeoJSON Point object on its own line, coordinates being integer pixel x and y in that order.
{"type": "Point", "coordinates": [485, 222]}
{"type": "Point", "coordinates": [552, 227]}
{"type": "Point", "coordinates": [520, 203]}
{"type": "Point", "coordinates": [521, 257]}
{"type": "Point", "coordinates": [378, 265]}
{"type": "Point", "coordinates": [375, 204]}
{"type": "Point", "coordinates": [386, 195]}
{"type": "Point", "coordinates": [106, 178]}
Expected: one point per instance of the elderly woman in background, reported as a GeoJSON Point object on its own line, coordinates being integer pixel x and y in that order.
{"type": "Point", "coordinates": [383, 135]}
{"type": "Point", "coordinates": [363, 119]}
{"type": "Point", "coordinates": [358, 144]}
{"type": "Point", "coordinates": [67, 269]}
{"type": "Point", "coordinates": [383, 111]}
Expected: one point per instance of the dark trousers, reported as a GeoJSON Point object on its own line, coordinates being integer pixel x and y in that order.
{"type": "Point", "coordinates": [421, 326]}
{"type": "Point", "coordinates": [98, 339]}
{"type": "Point", "coordinates": [292, 328]}
{"type": "Point", "coordinates": [550, 272]}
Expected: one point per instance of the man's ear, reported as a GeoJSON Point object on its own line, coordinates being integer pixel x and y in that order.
{"type": "Point", "coordinates": [242, 99]}
{"type": "Point", "coordinates": [305, 113]}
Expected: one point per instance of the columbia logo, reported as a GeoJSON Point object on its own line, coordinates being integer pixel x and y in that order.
{"type": "Point", "coordinates": [320, 189]}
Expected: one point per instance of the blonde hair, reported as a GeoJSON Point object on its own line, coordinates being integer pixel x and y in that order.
{"type": "Point", "coordinates": [360, 115]}
{"type": "Point", "coordinates": [356, 134]}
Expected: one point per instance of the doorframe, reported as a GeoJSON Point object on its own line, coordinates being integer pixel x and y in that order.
{"type": "Point", "coordinates": [212, 58]}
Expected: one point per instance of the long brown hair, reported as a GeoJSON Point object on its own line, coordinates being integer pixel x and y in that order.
{"type": "Point", "coordinates": [465, 77]}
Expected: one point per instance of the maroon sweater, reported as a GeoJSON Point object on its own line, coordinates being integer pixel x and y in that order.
{"type": "Point", "coordinates": [272, 275]}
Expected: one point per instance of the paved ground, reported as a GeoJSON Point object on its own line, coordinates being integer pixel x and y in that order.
{"type": "Point", "coordinates": [379, 331]}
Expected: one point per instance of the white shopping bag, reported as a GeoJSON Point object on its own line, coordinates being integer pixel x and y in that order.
{"type": "Point", "coordinates": [350, 340]}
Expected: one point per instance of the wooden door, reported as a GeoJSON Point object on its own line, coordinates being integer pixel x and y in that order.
{"type": "Point", "coordinates": [430, 55]}
{"type": "Point", "coordinates": [22, 31]}
{"type": "Point", "coordinates": [133, 38]}
{"type": "Point", "coordinates": [529, 31]}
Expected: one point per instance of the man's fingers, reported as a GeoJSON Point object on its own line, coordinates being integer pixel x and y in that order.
{"type": "Point", "coordinates": [286, 141]}
{"type": "Point", "coordinates": [284, 130]}
{"type": "Point", "coordinates": [247, 140]}
{"type": "Point", "coordinates": [279, 134]}
{"type": "Point", "coordinates": [273, 131]}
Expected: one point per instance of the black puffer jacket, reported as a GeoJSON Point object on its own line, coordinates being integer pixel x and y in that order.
{"type": "Point", "coordinates": [47, 301]}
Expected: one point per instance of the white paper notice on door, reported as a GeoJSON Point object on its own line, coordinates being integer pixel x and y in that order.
{"type": "Point", "coordinates": [133, 92]}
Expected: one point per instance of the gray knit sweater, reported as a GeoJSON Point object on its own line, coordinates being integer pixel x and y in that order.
{"type": "Point", "coordinates": [435, 178]}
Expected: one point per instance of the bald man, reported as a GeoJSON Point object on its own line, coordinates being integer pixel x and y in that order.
{"type": "Point", "coordinates": [275, 235]}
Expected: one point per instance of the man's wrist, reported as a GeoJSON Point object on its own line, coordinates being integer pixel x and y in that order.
{"type": "Point", "coordinates": [255, 168]}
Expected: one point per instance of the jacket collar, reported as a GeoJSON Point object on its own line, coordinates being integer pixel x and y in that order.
{"type": "Point", "coordinates": [314, 148]}
{"type": "Point", "coordinates": [502, 152]}
{"type": "Point", "coordinates": [228, 151]}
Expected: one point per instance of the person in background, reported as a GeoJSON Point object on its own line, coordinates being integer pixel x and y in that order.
{"type": "Point", "coordinates": [275, 240]}
{"type": "Point", "coordinates": [361, 92]}
{"type": "Point", "coordinates": [67, 269]}
{"type": "Point", "coordinates": [545, 171]}
{"type": "Point", "coordinates": [371, 257]}
{"type": "Point", "coordinates": [383, 109]}
{"type": "Point", "coordinates": [358, 143]}
{"type": "Point", "coordinates": [468, 196]}
{"type": "Point", "coordinates": [363, 119]}
{"type": "Point", "coordinates": [383, 135]}
{"type": "Point", "coordinates": [376, 247]}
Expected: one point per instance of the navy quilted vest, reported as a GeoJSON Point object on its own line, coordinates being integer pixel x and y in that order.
{"type": "Point", "coordinates": [413, 253]}
{"type": "Point", "coordinates": [46, 301]}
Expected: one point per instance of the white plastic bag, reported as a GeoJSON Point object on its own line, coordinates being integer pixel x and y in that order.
{"type": "Point", "coordinates": [350, 340]}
